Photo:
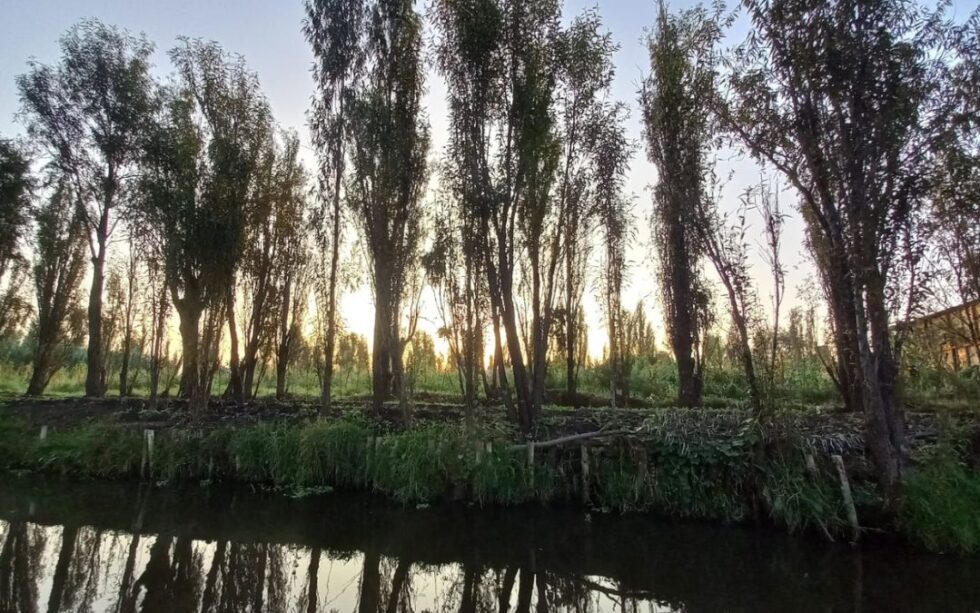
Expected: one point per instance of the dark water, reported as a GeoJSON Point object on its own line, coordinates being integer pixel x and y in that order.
{"type": "Point", "coordinates": [118, 547]}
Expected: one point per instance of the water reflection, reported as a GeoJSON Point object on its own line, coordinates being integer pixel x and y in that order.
{"type": "Point", "coordinates": [122, 548]}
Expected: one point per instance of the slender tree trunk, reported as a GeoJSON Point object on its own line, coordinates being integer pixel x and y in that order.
{"type": "Point", "coordinates": [95, 373]}
{"type": "Point", "coordinates": [329, 349]}
{"type": "Point", "coordinates": [124, 367]}
{"type": "Point", "coordinates": [156, 360]}
{"type": "Point", "coordinates": [234, 363]}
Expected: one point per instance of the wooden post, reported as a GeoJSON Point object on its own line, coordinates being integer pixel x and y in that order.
{"type": "Point", "coordinates": [845, 489]}
{"type": "Point", "coordinates": [585, 473]}
{"type": "Point", "coordinates": [530, 463]}
{"type": "Point", "coordinates": [44, 433]}
{"type": "Point", "coordinates": [368, 452]}
{"type": "Point", "coordinates": [374, 472]}
{"type": "Point", "coordinates": [811, 464]}
{"type": "Point", "coordinates": [146, 462]}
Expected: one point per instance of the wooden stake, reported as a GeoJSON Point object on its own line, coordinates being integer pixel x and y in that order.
{"type": "Point", "coordinates": [585, 473]}
{"type": "Point", "coordinates": [146, 463]}
{"type": "Point", "coordinates": [44, 433]}
{"type": "Point", "coordinates": [811, 464]}
{"type": "Point", "coordinates": [845, 489]}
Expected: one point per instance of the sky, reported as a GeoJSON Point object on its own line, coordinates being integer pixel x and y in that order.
{"type": "Point", "coordinates": [268, 34]}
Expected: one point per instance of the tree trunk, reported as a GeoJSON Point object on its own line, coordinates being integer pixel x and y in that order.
{"type": "Point", "coordinates": [328, 353]}
{"type": "Point", "coordinates": [381, 354]}
{"type": "Point", "coordinates": [95, 373]}
{"type": "Point", "coordinates": [124, 367]}
{"type": "Point", "coordinates": [189, 314]}
{"type": "Point", "coordinates": [234, 363]}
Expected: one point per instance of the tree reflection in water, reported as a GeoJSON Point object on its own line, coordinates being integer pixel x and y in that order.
{"type": "Point", "coordinates": [102, 547]}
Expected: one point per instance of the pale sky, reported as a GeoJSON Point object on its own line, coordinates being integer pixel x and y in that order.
{"type": "Point", "coordinates": [267, 33]}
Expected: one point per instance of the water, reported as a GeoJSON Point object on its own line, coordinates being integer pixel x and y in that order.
{"type": "Point", "coordinates": [122, 547]}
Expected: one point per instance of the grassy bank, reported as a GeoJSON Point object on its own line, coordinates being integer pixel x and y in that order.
{"type": "Point", "coordinates": [664, 467]}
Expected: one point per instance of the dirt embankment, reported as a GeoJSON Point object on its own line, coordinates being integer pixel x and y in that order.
{"type": "Point", "coordinates": [833, 430]}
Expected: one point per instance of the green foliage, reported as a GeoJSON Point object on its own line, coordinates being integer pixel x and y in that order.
{"type": "Point", "coordinates": [335, 453]}
{"type": "Point", "coordinates": [942, 498]}
{"type": "Point", "coordinates": [90, 451]}
{"type": "Point", "coordinates": [802, 501]}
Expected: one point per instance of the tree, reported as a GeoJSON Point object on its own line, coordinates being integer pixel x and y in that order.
{"type": "Point", "coordinates": [612, 153]}
{"type": "Point", "coordinates": [499, 62]}
{"type": "Point", "coordinates": [199, 172]}
{"type": "Point", "coordinates": [845, 99]}
{"type": "Point", "coordinates": [273, 268]}
{"type": "Point", "coordinates": [59, 264]}
{"type": "Point", "coordinates": [725, 245]}
{"type": "Point", "coordinates": [16, 189]}
{"type": "Point", "coordinates": [584, 78]}
{"type": "Point", "coordinates": [389, 145]}
{"type": "Point", "coordinates": [87, 112]}
{"type": "Point", "coordinates": [334, 28]}
{"type": "Point", "coordinates": [454, 270]}
{"type": "Point", "coordinates": [675, 99]}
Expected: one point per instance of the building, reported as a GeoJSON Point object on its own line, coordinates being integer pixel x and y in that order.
{"type": "Point", "coordinates": [953, 333]}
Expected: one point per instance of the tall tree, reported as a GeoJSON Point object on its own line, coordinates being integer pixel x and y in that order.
{"type": "Point", "coordinates": [59, 264]}
{"type": "Point", "coordinates": [334, 28]}
{"type": "Point", "coordinates": [87, 113]}
{"type": "Point", "coordinates": [273, 260]}
{"type": "Point", "coordinates": [845, 99]}
{"type": "Point", "coordinates": [199, 173]}
{"type": "Point", "coordinates": [675, 99]}
{"type": "Point", "coordinates": [389, 146]}
{"type": "Point", "coordinates": [16, 188]}
{"type": "Point", "coordinates": [499, 60]}
{"type": "Point", "coordinates": [584, 78]}
{"type": "Point", "coordinates": [611, 154]}
{"type": "Point", "coordinates": [455, 273]}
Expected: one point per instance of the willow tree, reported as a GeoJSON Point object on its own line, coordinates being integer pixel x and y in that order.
{"type": "Point", "coordinates": [846, 100]}
{"type": "Point", "coordinates": [59, 265]}
{"type": "Point", "coordinates": [453, 265]}
{"type": "Point", "coordinates": [335, 29]}
{"type": "Point", "coordinates": [584, 78]}
{"type": "Point", "coordinates": [198, 174]}
{"type": "Point", "coordinates": [611, 153]}
{"type": "Point", "coordinates": [389, 140]}
{"type": "Point", "coordinates": [16, 187]}
{"type": "Point", "coordinates": [675, 100]}
{"type": "Point", "coordinates": [499, 60]}
{"type": "Point", "coordinates": [87, 112]}
{"type": "Point", "coordinates": [273, 255]}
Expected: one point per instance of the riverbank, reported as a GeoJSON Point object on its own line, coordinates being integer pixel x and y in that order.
{"type": "Point", "coordinates": [679, 463]}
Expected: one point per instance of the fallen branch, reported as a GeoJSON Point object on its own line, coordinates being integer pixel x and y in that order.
{"type": "Point", "coordinates": [574, 438]}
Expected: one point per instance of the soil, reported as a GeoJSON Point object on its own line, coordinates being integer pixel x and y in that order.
{"type": "Point", "coordinates": [832, 430]}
